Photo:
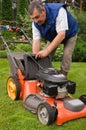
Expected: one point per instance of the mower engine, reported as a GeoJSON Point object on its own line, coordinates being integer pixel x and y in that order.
{"type": "Point", "coordinates": [53, 89]}
{"type": "Point", "coordinates": [54, 83]}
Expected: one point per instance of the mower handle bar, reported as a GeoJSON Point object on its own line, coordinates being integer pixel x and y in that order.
{"type": "Point", "coordinates": [15, 29]}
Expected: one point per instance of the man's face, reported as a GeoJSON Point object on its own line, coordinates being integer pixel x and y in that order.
{"type": "Point", "coordinates": [39, 17]}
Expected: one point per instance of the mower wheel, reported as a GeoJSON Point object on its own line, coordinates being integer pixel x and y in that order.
{"type": "Point", "coordinates": [83, 98]}
{"type": "Point", "coordinates": [46, 113]}
{"type": "Point", "coordinates": [13, 88]}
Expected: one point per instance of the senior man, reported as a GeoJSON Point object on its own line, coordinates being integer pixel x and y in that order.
{"type": "Point", "coordinates": [54, 23]}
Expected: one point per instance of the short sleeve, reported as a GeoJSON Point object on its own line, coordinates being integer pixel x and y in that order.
{"type": "Point", "coordinates": [61, 20]}
{"type": "Point", "coordinates": [35, 32]}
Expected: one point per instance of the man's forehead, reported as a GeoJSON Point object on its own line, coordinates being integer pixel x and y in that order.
{"type": "Point", "coordinates": [35, 14]}
{"type": "Point", "coordinates": [35, 11]}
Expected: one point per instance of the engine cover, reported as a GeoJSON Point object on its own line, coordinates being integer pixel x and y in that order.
{"type": "Point", "coordinates": [51, 75]}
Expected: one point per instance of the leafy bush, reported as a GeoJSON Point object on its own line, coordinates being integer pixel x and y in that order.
{"type": "Point", "coordinates": [7, 35]}
{"type": "Point", "coordinates": [7, 12]}
{"type": "Point", "coordinates": [58, 53]}
{"type": "Point", "coordinates": [27, 23]}
{"type": "Point", "coordinates": [22, 6]}
{"type": "Point", "coordinates": [82, 26]}
{"type": "Point", "coordinates": [13, 36]}
{"type": "Point", "coordinates": [23, 48]}
{"type": "Point", "coordinates": [3, 54]}
{"type": "Point", "coordinates": [81, 18]}
{"type": "Point", "coordinates": [17, 48]}
{"type": "Point", "coordinates": [79, 54]}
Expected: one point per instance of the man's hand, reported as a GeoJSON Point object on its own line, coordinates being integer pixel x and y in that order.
{"type": "Point", "coordinates": [52, 46]}
{"type": "Point", "coordinates": [42, 54]}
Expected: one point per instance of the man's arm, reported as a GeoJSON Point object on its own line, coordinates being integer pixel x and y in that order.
{"type": "Point", "coordinates": [56, 41]}
{"type": "Point", "coordinates": [36, 39]}
{"type": "Point", "coordinates": [36, 46]}
{"type": "Point", "coordinates": [53, 45]}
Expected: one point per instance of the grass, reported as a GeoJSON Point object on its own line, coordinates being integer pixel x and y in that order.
{"type": "Point", "coordinates": [13, 116]}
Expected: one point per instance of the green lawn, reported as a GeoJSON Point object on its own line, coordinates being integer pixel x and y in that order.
{"type": "Point", "coordinates": [13, 116]}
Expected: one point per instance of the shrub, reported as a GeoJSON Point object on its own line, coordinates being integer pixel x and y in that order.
{"type": "Point", "coordinates": [81, 18]}
{"type": "Point", "coordinates": [3, 53]}
{"type": "Point", "coordinates": [7, 35]}
{"type": "Point", "coordinates": [79, 54]}
{"type": "Point", "coordinates": [22, 6]}
{"type": "Point", "coordinates": [23, 48]}
{"type": "Point", "coordinates": [58, 53]}
{"type": "Point", "coordinates": [19, 47]}
{"type": "Point", "coordinates": [27, 23]}
{"type": "Point", "coordinates": [82, 25]}
{"type": "Point", "coordinates": [7, 12]}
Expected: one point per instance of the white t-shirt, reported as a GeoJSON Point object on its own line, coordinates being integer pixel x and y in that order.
{"type": "Point", "coordinates": [61, 24]}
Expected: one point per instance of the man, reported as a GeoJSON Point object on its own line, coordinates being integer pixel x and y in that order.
{"type": "Point", "coordinates": [54, 23]}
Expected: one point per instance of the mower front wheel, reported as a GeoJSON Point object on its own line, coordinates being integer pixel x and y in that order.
{"type": "Point", "coordinates": [46, 113]}
{"type": "Point", "coordinates": [13, 88]}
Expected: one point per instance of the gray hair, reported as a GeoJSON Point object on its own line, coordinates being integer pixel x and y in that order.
{"type": "Point", "coordinates": [35, 4]}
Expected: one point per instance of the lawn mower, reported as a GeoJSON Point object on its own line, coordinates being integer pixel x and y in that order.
{"type": "Point", "coordinates": [43, 90]}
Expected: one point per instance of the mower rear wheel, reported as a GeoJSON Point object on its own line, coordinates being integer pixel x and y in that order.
{"type": "Point", "coordinates": [13, 88]}
{"type": "Point", "coordinates": [46, 113]}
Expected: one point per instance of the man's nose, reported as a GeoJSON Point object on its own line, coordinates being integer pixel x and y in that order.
{"type": "Point", "coordinates": [36, 20]}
